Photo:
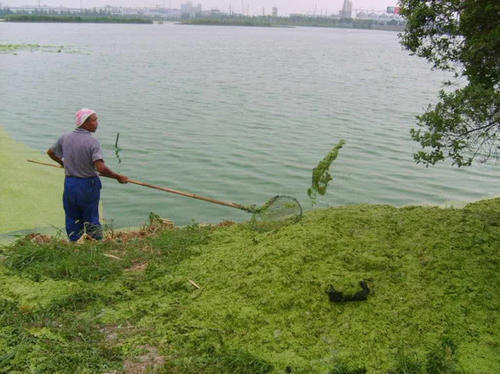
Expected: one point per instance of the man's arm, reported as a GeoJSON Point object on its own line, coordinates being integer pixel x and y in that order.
{"type": "Point", "coordinates": [53, 156]}
{"type": "Point", "coordinates": [107, 172]}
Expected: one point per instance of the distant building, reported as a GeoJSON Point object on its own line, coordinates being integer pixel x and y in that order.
{"type": "Point", "coordinates": [393, 10]}
{"type": "Point", "coordinates": [43, 8]}
{"type": "Point", "coordinates": [346, 11]}
{"type": "Point", "coordinates": [392, 16]}
{"type": "Point", "coordinates": [212, 13]}
{"type": "Point", "coordinates": [190, 11]}
{"type": "Point", "coordinates": [275, 12]}
{"type": "Point", "coordinates": [158, 12]}
{"type": "Point", "coordinates": [298, 16]}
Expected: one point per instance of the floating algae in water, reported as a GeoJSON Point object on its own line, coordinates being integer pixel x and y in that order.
{"type": "Point", "coordinates": [320, 175]}
{"type": "Point", "coordinates": [14, 48]}
{"type": "Point", "coordinates": [117, 149]}
{"type": "Point", "coordinates": [8, 48]}
{"type": "Point", "coordinates": [116, 140]}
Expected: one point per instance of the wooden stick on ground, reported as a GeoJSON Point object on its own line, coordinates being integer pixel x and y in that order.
{"type": "Point", "coordinates": [194, 284]}
{"type": "Point", "coordinates": [111, 256]}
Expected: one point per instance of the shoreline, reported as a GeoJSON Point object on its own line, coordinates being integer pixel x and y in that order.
{"type": "Point", "coordinates": [7, 238]}
{"type": "Point", "coordinates": [48, 217]}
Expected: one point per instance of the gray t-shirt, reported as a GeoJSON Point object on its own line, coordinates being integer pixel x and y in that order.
{"type": "Point", "coordinates": [79, 150]}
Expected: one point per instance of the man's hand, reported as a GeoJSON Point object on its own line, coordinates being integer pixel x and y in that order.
{"type": "Point", "coordinates": [107, 172]}
{"type": "Point", "coordinates": [53, 156]}
{"type": "Point", "coordinates": [122, 179]}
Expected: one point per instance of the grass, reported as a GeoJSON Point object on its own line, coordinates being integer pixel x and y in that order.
{"type": "Point", "coordinates": [262, 305]}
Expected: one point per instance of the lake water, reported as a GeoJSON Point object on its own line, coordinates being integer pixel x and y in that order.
{"type": "Point", "coordinates": [233, 113]}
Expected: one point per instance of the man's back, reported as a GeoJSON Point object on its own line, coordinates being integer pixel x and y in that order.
{"type": "Point", "coordinates": [80, 150]}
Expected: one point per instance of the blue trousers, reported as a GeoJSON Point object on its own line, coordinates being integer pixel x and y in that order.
{"type": "Point", "coordinates": [81, 205]}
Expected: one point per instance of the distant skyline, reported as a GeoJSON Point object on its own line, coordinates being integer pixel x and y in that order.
{"type": "Point", "coordinates": [252, 7]}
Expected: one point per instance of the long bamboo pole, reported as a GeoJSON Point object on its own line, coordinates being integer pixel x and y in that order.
{"type": "Point", "coordinates": [166, 189]}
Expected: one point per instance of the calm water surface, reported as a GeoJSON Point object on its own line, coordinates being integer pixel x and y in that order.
{"type": "Point", "coordinates": [233, 113]}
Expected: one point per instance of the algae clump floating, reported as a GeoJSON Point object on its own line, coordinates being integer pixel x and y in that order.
{"type": "Point", "coordinates": [321, 175]}
{"type": "Point", "coordinates": [14, 48]}
{"type": "Point", "coordinates": [117, 149]}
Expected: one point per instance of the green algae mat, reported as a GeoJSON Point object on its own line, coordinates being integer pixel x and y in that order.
{"type": "Point", "coordinates": [227, 299]}
{"type": "Point", "coordinates": [30, 197]}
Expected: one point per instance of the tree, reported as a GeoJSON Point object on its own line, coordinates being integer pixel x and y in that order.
{"type": "Point", "coordinates": [461, 36]}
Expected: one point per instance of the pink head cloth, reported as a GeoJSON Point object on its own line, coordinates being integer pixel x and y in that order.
{"type": "Point", "coordinates": [82, 115]}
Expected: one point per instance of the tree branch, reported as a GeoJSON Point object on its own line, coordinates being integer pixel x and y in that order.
{"type": "Point", "coordinates": [491, 124]}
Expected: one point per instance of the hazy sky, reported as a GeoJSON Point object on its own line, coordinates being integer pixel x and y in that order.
{"type": "Point", "coordinates": [285, 7]}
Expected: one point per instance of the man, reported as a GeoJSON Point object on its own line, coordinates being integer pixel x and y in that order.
{"type": "Point", "coordinates": [81, 156]}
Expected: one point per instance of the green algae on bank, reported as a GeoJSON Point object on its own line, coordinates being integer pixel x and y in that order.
{"type": "Point", "coordinates": [262, 304]}
{"type": "Point", "coordinates": [30, 196]}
